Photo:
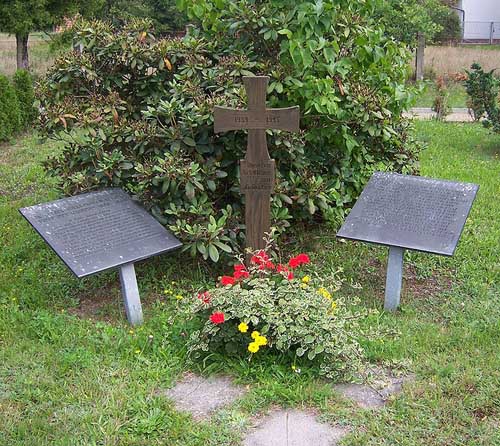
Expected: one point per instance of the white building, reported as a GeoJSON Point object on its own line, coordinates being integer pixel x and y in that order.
{"type": "Point", "coordinates": [481, 19]}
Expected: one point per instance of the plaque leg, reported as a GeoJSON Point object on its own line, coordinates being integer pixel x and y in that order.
{"type": "Point", "coordinates": [130, 292]}
{"type": "Point", "coordinates": [394, 279]}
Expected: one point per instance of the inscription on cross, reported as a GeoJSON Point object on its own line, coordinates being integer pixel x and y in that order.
{"type": "Point", "coordinates": [257, 170]}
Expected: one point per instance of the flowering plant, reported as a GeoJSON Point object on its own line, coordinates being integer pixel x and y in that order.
{"type": "Point", "coordinates": [278, 306]}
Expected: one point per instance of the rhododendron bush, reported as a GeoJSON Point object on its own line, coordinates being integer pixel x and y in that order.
{"type": "Point", "coordinates": [282, 307]}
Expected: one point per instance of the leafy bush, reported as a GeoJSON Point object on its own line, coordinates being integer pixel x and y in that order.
{"type": "Point", "coordinates": [137, 112]}
{"type": "Point", "coordinates": [278, 308]}
{"type": "Point", "coordinates": [483, 89]}
{"type": "Point", "coordinates": [10, 117]}
{"type": "Point", "coordinates": [23, 84]}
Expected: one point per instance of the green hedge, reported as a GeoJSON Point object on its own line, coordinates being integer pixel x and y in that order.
{"type": "Point", "coordinates": [136, 112]}
{"type": "Point", "coordinates": [17, 98]}
{"type": "Point", "coordinates": [23, 84]}
{"type": "Point", "coordinates": [10, 115]}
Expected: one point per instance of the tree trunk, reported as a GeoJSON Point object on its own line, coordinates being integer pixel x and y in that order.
{"type": "Point", "coordinates": [419, 70]}
{"type": "Point", "coordinates": [22, 51]}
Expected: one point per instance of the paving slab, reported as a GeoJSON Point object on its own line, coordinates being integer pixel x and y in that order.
{"type": "Point", "coordinates": [456, 115]}
{"type": "Point", "coordinates": [382, 385]}
{"type": "Point", "coordinates": [364, 396]}
{"type": "Point", "coordinates": [294, 428]}
{"type": "Point", "coordinates": [202, 396]}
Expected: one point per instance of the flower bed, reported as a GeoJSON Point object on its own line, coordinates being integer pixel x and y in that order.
{"type": "Point", "coordinates": [280, 307]}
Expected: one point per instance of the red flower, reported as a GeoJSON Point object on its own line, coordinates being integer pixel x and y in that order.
{"type": "Point", "coordinates": [217, 318]}
{"type": "Point", "coordinates": [227, 280]}
{"type": "Point", "coordinates": [241, 275]}
{"type": "Point", "coordinates": [285, 271]}
{"type": "Point", "coordinates": [260, 258]}
{"type": "Point", "coordinates": [240, 272]}
{"type": "Point", "coordinates": [301, 259]}
{"type": "Point", "coordinates": [266, 265]}
{"type": "Point", "coordinates": [205, 297]}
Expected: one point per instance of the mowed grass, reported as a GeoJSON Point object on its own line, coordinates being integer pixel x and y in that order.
{"type": "Point", "coordinates": [40, 57]}
{"type": "Point", "coordinates": [457, 95]}
{"type": "Point", "coordinates": [71, 380]}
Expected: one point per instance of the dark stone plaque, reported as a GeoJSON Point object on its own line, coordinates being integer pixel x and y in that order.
{"type": "Point", "coordinates": [97, 231]}
{"type": "Point", "coordinates": [411, 212]}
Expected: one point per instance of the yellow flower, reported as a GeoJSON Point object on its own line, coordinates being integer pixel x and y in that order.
{"type": "Point", "coordinates": [255, 334]}
{"type": "Point", "coordinates": [294, 367]}
{"type": "Point", "coordinates": [334, 305]}
{"type": "Point", "coordinates": [253, 347]}
{"type": "Point", "coordinates": [243, 328]}
{"type": "Point", "coordinates": [261, 341]}
{"type": "Point", "coordinates": [137, 351]}
{"type": "Point", "coordinates": [131, 331]}
{"type": "Point", "coordinates": [303, 286]}
{"type": "Point", "coordinates": [179, 297]}
{"type": "Point", "coordinates": [325, 293]}
{"type": "Point", "coordinates": [306, 279]}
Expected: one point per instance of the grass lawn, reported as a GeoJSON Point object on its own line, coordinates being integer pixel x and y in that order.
{"type": "Point", "coordinates": [457, 95]}
{"type": "Point", "coordinates": [40, 57]}
{"type": "Point", "coordinates": [73, 373]}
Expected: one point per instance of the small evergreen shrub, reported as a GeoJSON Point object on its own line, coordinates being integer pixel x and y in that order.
{"type": "Point", "coordinates": [10, 116]}
{"type": "Point", "coordinates": [23, 84]}
{"type": "Point", "coordinates": [483, 89]}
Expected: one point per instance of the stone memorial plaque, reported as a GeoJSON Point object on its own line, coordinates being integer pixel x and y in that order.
{"type": "Point", "coordinates": [97, 231]}
{"type": "Point", "coordinates": [411, 212]}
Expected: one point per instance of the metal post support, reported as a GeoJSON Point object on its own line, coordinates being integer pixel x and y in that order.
{"type": "Point", "coordinates": [492, 32]}
{"type": "Point", "coordinates": [394, 279]}
{"type": "Point", "coordinates": [130, 292]}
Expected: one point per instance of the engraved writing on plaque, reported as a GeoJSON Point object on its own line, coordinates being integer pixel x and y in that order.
{"type": "Point", "coordinates": [257, 176]}
{"type": "Point", "coordinates": [257, 170]}
{"type": "Point", "coordinates": [99, 230]}
{"type": "Point", "coordinates": [411, 212]}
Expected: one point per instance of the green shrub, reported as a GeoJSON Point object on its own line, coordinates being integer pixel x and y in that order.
{"type": "Point", "coordinates": [10, 117]}
{"type": "Point", "coordinates": [23, 84]}
{"type": "Point", "coordinates": [279, 308]}
{"type": "Point", "coordinates": [483, 89]}
{"type": "Point", "coordinates": [137, 112]}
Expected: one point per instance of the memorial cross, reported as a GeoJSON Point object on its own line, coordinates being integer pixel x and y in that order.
{"type": "Point", "coordinates": [257, 170]}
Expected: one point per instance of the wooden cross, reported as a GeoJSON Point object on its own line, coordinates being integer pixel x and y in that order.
{"type": "Point", "coordinates": [257, 169]}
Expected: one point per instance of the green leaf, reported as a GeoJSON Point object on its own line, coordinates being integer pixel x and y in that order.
{"type": "Point", "coordinates": [213, 253]}
{"type": "Point", "coordinates": [189, 141]}
{"type": "Point", "coordinates": [189, 191]}
{"type": "Point", "coordinates": [309, 339]}
{"type": "Point", "coordinates": [300, 352]}
{"type": "Point", "coordinates": [223, 246]}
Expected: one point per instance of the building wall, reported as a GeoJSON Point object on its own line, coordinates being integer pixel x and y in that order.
{"type": "Point", "coordinates": [478, 16]}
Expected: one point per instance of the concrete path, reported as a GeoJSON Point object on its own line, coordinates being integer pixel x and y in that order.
{"type": "Point", "coordinates": [457, 114]}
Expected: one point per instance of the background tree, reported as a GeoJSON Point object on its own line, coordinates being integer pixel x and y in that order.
{"type": "Point", "coordinates": [406, 19]}
{"type": "Point", "coordinates": [20, 18]}
{"type": "Point", "coordinates": [164, 14]}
